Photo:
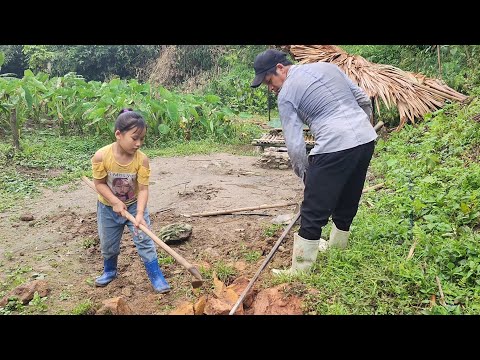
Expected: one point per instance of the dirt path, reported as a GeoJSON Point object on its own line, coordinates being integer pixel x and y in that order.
{"type": "Point", "coordinates": [61, 244]}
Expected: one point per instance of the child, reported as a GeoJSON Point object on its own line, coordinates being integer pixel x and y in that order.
{"type": "Point", "coordinates": [121, 175]}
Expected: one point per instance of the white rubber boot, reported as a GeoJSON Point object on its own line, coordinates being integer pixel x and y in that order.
{"type": "Point", "coordinates": [304, 255]}
{"type": "Point", "coordinates": [338, 238]}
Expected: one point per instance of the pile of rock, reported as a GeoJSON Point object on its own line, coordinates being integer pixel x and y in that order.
{"type": "Point", "coordinates": [275, 158]}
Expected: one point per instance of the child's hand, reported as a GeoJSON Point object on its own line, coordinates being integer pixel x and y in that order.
{"type": "Point", "coordinates": [120, 207]}
{"type": "Point", "coordinates": [140, 220]}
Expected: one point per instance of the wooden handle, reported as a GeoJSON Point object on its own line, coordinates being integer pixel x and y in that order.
{"type": "Point", "coordinates": [264, 264]}
{"type": "Point", "coordinates": [194, 271]}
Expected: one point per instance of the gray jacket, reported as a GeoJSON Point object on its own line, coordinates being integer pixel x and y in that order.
{"type": "Point", "coordinates": [336, 110]}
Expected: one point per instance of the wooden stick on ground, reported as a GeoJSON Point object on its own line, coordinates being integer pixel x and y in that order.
{"type": "Point", "coordinates": [225, 212]}
{"type": "Point", "coordinates": [412, 250]}
{"type": "Point", "coordinates": [374, 187]}
{"type": "Point", "coordinates": [442, 297]}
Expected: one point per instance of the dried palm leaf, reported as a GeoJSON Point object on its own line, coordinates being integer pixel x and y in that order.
{"type": "Point", "coordinates": [413, 94]}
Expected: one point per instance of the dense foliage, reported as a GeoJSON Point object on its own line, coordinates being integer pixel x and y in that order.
{"type": "Point", "coordinates": [93, 62]}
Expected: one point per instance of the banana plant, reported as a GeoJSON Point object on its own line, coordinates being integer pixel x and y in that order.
{"type": "Point", "coordinates": [37, 88]}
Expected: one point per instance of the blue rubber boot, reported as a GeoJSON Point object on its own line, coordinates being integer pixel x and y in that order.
{"type": "Point", "coordinates": [109, 272]}
{"type": "Point", "coordinates": [156, 277]}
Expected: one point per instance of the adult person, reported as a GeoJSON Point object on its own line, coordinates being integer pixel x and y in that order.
{"type": "Point", "coordinates": [338, 113]}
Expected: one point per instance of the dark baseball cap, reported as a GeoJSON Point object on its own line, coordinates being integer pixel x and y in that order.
{"type": "Point", "coordinates": [264, 62]}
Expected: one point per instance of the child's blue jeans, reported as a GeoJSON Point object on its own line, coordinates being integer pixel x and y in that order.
{"type": "Point", "coordinates": [110, 230]}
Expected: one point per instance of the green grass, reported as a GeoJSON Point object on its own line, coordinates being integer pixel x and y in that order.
{"type": "Point", "coordinates": [252, 256]}
{"type": "Point", "coordinates": [272, 229]}
{"type": "Point", "coordinates": [64, 295]}
{"type": "Point", "coordinates": [225, 272]}
{"type": "Point", "coordinates": [13, 306]}
{"type": "Point", "coordinates": [432, 179]}
{"type": "Point", "coordinates": [164, 259]}
{"type": "Point", "coordinates": [201, 147]}
{"type": "Point", "coordinates": [89, 242]}
{"type": "Point", "coordinates": [45, 160]}
{"type": "Point", "coordinates": [38, 304]}
{"type": "Point", "coordinates": [85, 307]}
{"type": "Point", "coordinates": [15, 277]}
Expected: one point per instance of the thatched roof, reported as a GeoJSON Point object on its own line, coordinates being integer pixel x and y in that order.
{"type": "Point", "coordinates": [413, 94]}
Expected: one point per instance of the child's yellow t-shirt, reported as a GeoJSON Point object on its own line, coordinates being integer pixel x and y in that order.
{"type": "Point", "coordinates": [123, 180]}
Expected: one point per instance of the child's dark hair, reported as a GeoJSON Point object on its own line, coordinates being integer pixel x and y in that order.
{"type": "Point", "coordinates": [128, 119]}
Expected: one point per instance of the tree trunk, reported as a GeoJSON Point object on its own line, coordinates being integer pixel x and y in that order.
{"type": "Point", "coordinates": [14, 127]}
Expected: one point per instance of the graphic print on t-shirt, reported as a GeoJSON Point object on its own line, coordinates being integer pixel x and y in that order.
{"type": "Point", "coordinates": [122, 185]}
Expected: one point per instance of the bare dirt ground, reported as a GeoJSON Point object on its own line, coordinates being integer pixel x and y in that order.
{"type": "Point", "coordinates": [61, 244]}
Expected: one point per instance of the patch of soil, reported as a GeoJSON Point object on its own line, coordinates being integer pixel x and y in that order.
{"type": "Point", "coordinates": [61, 243]}
{"type": "Point", "coordinates": [38, 174]}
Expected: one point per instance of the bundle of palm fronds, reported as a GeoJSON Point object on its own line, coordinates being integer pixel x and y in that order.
{"type": "Point", "coordinates": [413, 94]}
